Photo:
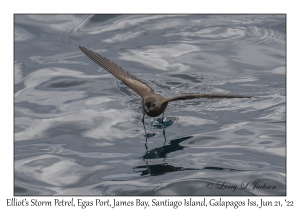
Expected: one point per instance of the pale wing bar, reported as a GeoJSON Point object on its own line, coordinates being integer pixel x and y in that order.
{"type": "Point", "coordinates": [138, 85]}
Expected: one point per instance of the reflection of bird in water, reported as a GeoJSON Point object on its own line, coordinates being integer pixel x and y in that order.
{"type": "Point", "coordinates": [152, 104]}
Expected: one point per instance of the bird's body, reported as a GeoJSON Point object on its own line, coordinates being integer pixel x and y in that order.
{"type": "Point", "coordinates": [153, 104]}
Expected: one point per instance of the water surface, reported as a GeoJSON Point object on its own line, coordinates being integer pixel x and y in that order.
{"type": "Point", "coordinates": [78, 130]}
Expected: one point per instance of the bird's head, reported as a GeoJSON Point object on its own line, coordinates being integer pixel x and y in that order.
{"type": "Point", "coordinates": [150, 105]}
{"type": "Point", "coordinates": [153, 107]}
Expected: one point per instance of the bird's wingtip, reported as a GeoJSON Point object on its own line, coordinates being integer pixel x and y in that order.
{"type": "Point", "coordinates": [80, 47]}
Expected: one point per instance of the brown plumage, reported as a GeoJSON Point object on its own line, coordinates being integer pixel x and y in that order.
{"type": "Point", "coordinates": [153, 104]}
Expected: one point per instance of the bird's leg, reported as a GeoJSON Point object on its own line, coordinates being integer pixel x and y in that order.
{"type": "Point", "coordinates": [164, 133]}
{"type": "Point", "coordinates": [144, 124]}
{"type": "Point", "coordinates": [145, 131]}
{"type": "Point", "coordinates": [163, 127]}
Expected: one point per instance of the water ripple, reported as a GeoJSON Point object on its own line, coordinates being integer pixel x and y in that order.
{"type": "Point", "coordinates": [79, 131]}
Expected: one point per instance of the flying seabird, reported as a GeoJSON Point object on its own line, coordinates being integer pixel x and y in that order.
{"type": "Point", "coordinates": [153, 104]}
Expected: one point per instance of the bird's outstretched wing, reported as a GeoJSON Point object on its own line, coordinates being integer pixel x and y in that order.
{"type": "Point", "coordinates": [131, 81]}
{"type": "Point", "coordinates": [191, 96]}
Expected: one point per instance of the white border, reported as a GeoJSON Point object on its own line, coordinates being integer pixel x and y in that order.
{"type": "Point", "coordinates": [153, 6]}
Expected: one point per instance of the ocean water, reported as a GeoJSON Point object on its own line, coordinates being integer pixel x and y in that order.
{"type": "Point", "coordinates": [78, 130]}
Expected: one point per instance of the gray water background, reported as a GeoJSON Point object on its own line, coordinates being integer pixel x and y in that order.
{"type": "Point", "coordinates": [78, 130]}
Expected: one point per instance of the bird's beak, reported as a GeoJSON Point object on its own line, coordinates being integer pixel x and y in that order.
{"type": "Point", "coordinates": [146, 108]}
